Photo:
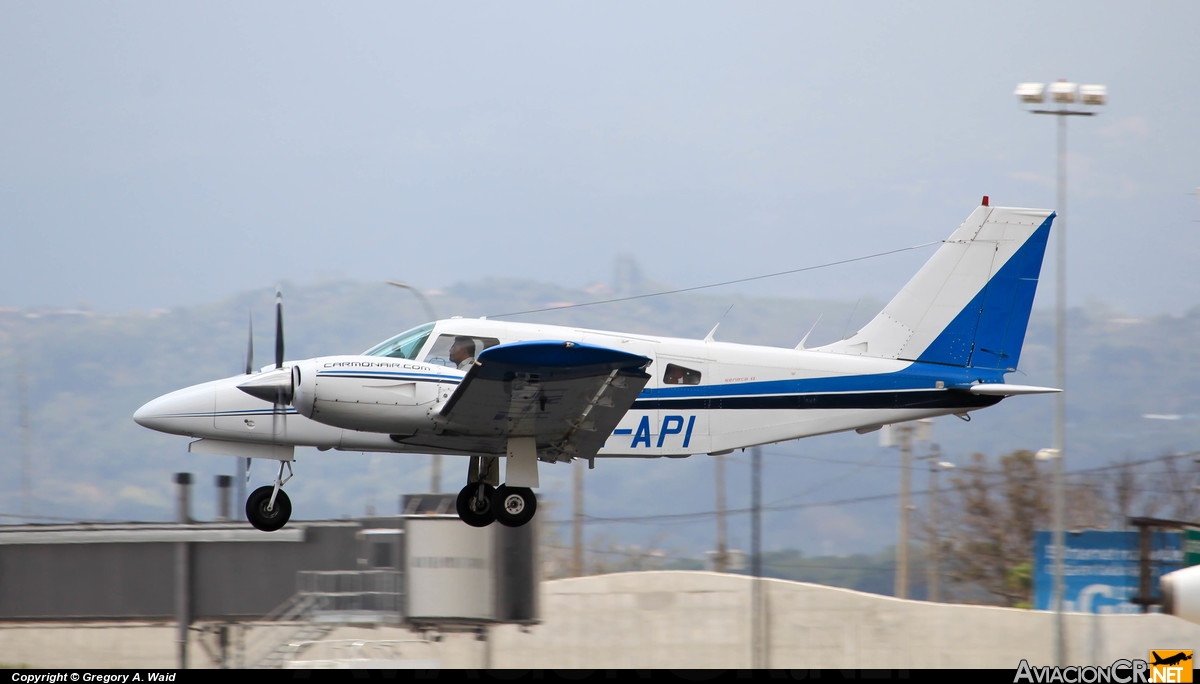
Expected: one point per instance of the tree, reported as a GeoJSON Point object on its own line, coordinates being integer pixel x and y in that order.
{"type": "Point", "coordinates": [992, 516]}
{"type": "Point", "coordinates": [1161, 487]}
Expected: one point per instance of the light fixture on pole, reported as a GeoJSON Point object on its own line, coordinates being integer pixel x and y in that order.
{"type": "Point", "coordinates": [419, 295]}
{"type": "Point", "coordinates": [1067, 96]}
{"type": "Point", "coordinates": [435, 476]}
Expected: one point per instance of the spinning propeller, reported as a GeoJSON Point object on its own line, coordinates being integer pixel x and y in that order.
{"type": "Point", "coordinates": [250, 346]}
{"type": "Point", "coordinates": [274, 386]}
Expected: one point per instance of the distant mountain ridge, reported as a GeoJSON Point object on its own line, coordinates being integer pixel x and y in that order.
{"type": "Point", "coordinates": [74, 379]}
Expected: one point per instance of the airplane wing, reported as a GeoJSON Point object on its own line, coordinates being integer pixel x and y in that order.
{"type": "Point", "coordinates": [568, 396]}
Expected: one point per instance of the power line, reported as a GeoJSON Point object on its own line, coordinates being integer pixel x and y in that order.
{"type": "Point", "coordinates": [722, 284]}
{"type": "Point", "coordinates": [701, 516]}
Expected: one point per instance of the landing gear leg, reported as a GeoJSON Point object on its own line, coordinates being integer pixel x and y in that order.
{"type": "Point", "coordinates": [268, 508]}
{"type": "Point", "coordinates": [514, 500]}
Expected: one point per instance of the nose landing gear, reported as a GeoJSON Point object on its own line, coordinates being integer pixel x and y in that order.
{"type": "Point", "coordinates": [268, 508]}
{"type": "Point", "coordinates": [264, 514]}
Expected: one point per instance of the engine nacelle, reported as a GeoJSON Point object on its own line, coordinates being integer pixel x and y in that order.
{"type": "Point", "coordinates": [372, 394]}
{"type": "Point", "coordinates": [1181, 593]}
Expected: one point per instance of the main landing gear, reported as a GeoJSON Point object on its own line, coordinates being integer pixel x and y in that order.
{"type": "Point", "coordinates": [268, 508]}
{"type": "Point", "coordinates": [481, 502]}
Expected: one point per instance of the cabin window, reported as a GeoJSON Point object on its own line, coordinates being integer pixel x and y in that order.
{"type": "Point", "coordinates": [675, 374]}
{"type": "Point", "coordinates": [406, 345]}
{"type": "Point", "coordinates": [444, 352]}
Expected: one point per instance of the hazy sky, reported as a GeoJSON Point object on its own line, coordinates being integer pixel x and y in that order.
{"type": "Point", "coordinates": [155, 154]}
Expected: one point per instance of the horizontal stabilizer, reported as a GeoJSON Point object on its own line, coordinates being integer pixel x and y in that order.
{"type": "Point", "coordinates": [1000, 389]}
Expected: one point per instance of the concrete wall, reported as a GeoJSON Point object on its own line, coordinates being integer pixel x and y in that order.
{"type": "Point", "coordinates": [667, 620]}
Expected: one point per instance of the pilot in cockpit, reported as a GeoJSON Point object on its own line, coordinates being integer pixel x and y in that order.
{"type": "Point", "coordinates": [462, 352]}
{"type": "Point", "coordinates": [674, 375]}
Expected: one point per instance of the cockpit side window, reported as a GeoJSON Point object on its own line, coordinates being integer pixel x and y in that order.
{"type": "Point", "coordinates": [406, 345]}
{"type": "Point", "coordinates": [675, 374]}
{"type": "Point", "coordinates": [446, 353]}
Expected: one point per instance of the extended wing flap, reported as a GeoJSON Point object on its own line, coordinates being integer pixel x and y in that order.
{"type": "Point", "coordinates": [568, 396]}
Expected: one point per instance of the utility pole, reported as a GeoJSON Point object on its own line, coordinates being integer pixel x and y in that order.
{"type": "Point", "coordinates": [721, 560]}
{"type": "Point", "coordinates": [577, 525]}
{"type": "Point", "coordinates": [905, 433]}
{"type": "Point", "coordinates": [758, 632]}
{"type": "Point", "coordinates": [935, 553]}
{"type": "Point", "coordinates": [933, 569]}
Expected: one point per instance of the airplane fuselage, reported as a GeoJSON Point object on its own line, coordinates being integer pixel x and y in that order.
{"type": "Point", "coordinates": [731, 396]}
{"type": "Point", "coordinates": [517, 393]}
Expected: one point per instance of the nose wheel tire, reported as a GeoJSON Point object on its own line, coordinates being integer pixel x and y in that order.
{"type": "Point", "coordinates": [474, 506]}
{"type": "Point", "coordinates": [514, 506]}
{"type": "Point", "coordinates": [262, 518]}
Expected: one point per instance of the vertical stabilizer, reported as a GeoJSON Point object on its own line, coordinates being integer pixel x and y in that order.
{"type": "Point", "coordinates": [969, 304]}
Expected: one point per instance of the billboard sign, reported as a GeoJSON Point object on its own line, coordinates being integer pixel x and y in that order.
{"type": "Point", "coordinates": [1191, 548]}
{"type": "Point", "coordinates": [1101, 570]}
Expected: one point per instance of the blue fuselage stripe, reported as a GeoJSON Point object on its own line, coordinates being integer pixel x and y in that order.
{"type": "Point", "coordinates": [915, 386]}
{"type": "Point", "coordinates": [911, 399]}
{"type": "Point", "coordinates": [286, 410]}
{"type": "Point", "coordinates": [385, 375]}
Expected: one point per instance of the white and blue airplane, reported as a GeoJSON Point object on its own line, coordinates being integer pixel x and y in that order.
{"type": "Point", "coordinates": [1181, 593]}
{"type": "Point", "coordinates": [546, 394]}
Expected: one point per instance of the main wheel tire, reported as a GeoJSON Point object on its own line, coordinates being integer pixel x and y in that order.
{"type": "Point", "coordinates": [473, 510]}
{"type": "Point", "coordinates": [268, 520]}
{"type": "Point", "coordinates": [514, 506]}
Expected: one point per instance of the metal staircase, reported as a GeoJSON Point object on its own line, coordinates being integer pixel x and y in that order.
{"type": "Point", "coordinates": [323, 602]}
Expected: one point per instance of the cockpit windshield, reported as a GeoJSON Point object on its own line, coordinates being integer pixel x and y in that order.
{"type": "Point", "coordinates": [406, 345]}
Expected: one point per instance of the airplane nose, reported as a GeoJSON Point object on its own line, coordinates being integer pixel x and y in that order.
{"type": "Point", "coordinates": [151, 414]}
{"type": "Point", "coordinates": [181, 412]}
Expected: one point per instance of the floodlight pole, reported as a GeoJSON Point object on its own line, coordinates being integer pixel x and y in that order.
{"type": "Point", "coordinates": [1060, 379]}
{"type": "Point", "coordinates": [1060, 401]}
{"type": "Point", "coordinates": [1063, 96]}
